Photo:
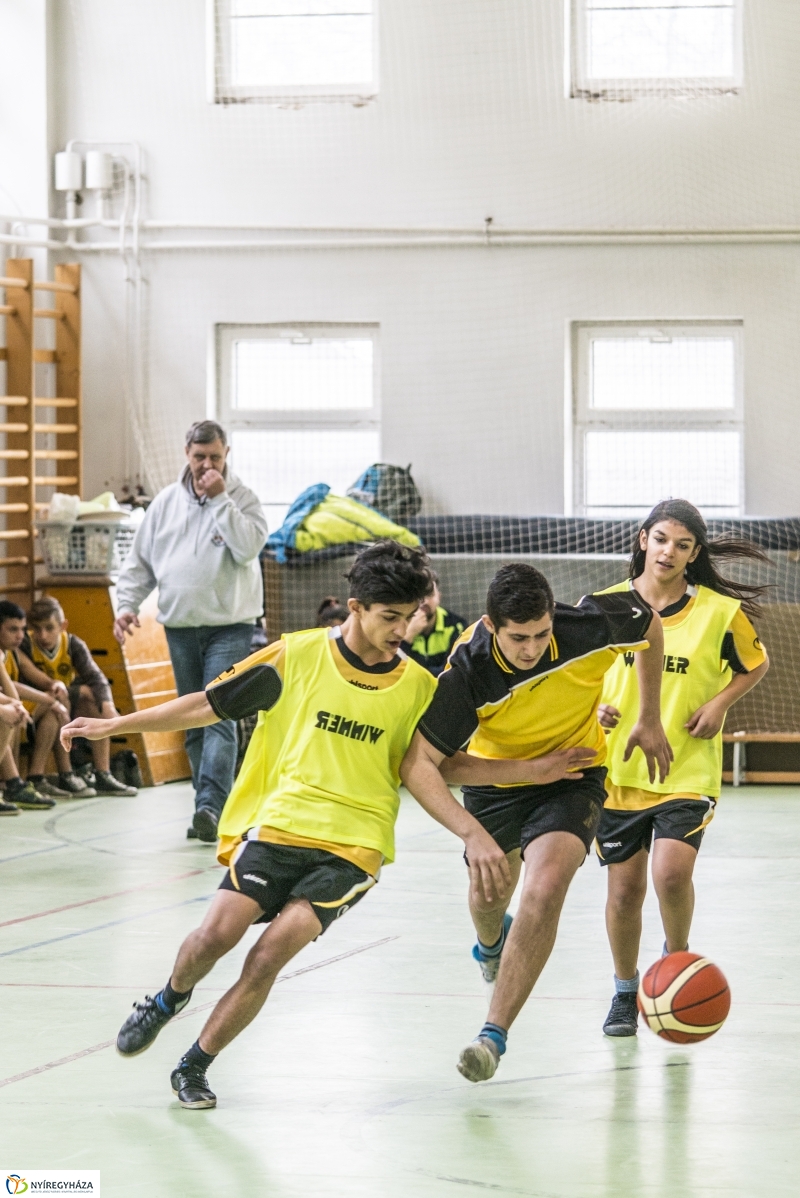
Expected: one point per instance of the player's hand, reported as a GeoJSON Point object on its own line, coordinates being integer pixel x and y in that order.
{"type": "Point", "coordinates": [60, 712]}
{"type": "Point", "coordinates": [126, 621]}
{"type": "Point", "coordinates": [707, 721]}
{"type": "Point", "coordinates": [652, 740]}
{"type": "Point", "coordinates": [12, 714]}
{"type": "Point", "coordinates": [91, 729]}
{"type": "Point", "coordinates": [489, 873]}
{"type": "Point", "coordinates": [59, 691]}
{"type": "Point", "coordinates": [210, 483]}
{"type": "Point", "coordinates": [608, 716]}
{"type": "Point", "coordinates": [557, 765]}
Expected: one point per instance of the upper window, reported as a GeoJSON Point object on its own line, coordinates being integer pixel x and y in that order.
{"type": "Point", "coordinates": [622, 48]}
{"type": "Point", "coordinates": [657, 413]}
{"type": "Point", "coordinates": [302, 406]}
{"type": "Point", "coordinates": [293, 49]}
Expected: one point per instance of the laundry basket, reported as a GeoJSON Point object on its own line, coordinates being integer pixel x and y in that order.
{"type": "Point", "coordinates": [86, 547]}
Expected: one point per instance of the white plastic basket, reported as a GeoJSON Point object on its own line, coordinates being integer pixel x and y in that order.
{"type": "Point", "coordinates": [87, 547]}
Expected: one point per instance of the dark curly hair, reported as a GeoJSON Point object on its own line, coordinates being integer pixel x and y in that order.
{"type": "Point", "coordinates": [518, 592]}
{"type": "Point", "coordinates": [388, 572]}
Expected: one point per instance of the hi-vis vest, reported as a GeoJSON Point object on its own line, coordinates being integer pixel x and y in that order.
{"type": "Point", "coordinates": [693, 673]}
{"type": "Point", "coordinates": [59, 667]}
{"type": "Point", "coordinates": [324, 762]}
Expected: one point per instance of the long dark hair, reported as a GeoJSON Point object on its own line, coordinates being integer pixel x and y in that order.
{"type": "Point", "coordinates": [702, 571]}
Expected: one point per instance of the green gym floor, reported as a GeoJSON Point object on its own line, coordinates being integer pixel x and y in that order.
{"type": "Point", "coordinates": [346, 1084]}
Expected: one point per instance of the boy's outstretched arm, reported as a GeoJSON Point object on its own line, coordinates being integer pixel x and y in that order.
{"type": "Point", "coordinates": [189, 711]}
{"type": "Point", "coordinates": [419, 772]}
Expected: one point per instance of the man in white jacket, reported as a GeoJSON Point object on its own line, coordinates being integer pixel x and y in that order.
{"type": "Point", "coordinates": [199, 544]}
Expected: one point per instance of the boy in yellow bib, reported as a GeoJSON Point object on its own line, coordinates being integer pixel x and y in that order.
{"type": "Point", "coordinates": [311, 817]}
{"type": "Point", "coordinates": [712, 656]}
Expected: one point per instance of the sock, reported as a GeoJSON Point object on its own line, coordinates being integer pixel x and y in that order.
{"type": "Point", "coordinates": [196, 1056]}
{"type": "Point", "coordinates": [498, 1035]}
{"type": "Point", "coordinates": [493, 950]}
{"type": "Point", "coordinates": [627, 985]}
{"type": "Point", "coordinates": [34, 778]}
{"type": "Point", "coordinates": [665, 950]}
{"type": "Point", "coordinates": [13, 785]}
{"type": "Point", "coordinates": [171, 1001]}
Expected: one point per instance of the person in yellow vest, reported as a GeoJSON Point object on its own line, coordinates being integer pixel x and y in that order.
{"type": "Point", "coordinates": [310, 820]}
{"type": "Point", "coordinates": [432, 632]}
{"type": "Point", "coordinates": [66, 662]}
{"type": "Point", "coordinates": [45, 716]}
{"type": "Point", "coordinates": [712, 656]}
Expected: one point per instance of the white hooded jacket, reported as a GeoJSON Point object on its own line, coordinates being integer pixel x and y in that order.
{"type": "Point", "coordinates": [202, 554]}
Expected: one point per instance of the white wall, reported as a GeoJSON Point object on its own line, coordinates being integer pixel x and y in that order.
{"type": "Point", "coordinates": [472, 121]}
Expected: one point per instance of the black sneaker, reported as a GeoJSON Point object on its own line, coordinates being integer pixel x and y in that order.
{"type": "Point", "coordinates": [26, 796]}
{"type": "Point", "coordinates": [623, 1018]}
{"type": "Point", "coordinates": [191, 832]}
{"type": "Point", "coordinates": [8, 808]}
{"type": "Point", "coordinates": [106, 784]}
{"type": "Point", "coordinates": [141, 1028]}
{"type": "Point", "coordinates": [205, 825]}
{"type": "Point", "coordinates": [190, 1084]}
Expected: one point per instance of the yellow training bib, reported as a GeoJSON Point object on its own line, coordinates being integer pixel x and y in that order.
{"type": "Point", "coordinates": [324, 762]}
{"type": "Point", "coordinates": [694, 672]}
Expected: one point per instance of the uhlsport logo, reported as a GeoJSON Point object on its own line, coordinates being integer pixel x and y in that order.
{"type": "Point", "coordinates": [16, 1184]}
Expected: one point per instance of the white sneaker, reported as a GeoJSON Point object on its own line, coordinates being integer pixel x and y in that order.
{"type": "Point", "coordinates": [479, 1060]}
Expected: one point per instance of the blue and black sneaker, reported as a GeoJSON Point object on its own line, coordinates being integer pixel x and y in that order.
{"type": "Point", "coordinates": [490, 963]}
{"type": "Point", "coordinates": [141, 1028]}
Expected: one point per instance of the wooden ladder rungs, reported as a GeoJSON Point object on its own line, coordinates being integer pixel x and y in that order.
{"type": "Point", "coordinates": [14, 534]}
{"type": "Point", "coordinates": [49, 428]}
{"type": "Point", "coordinates": [49, 313]}
{"type": "Point", "coordinates": [45, 355]}
{"type": "Point", "coordinates": [50, 455]}
{"type": "Point", "coordinates": [14, 588]}
{"type": "Point", "coordinates": [7, 310]}
{"type": "Point", "coordinates": [55, 480]}
{"type": "Point", "coordinates": [55, 403]}
{"type": "Point", "coordinates": [14, 428]}
{"type": "Point", "coordinates": [48, 286]}
{"type": "Point", "coordinates": [14, 401]}
{"type": "Point", "coordinates": [15, 561]}
{"type": "Point", "coordinates": [18, 480]}
{"type": "Point", "coordinates": [17, 507]}
{"type": "Point", "coordinates": [13, 454]}
{"type": "Point", "coordinates": [5, 281]}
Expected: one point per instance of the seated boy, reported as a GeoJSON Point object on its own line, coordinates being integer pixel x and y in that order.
{"type": "Point", "coordinates": [46, 715]}
{"type": "Point", "coordinates": [14, 717]}
{"type": "Point", "coordinates": [67, 667]}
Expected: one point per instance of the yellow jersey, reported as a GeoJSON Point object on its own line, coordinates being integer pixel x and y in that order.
{"type": "Point", "coordinates": [706, 640]}
{"type": "Point", "coordinates": [323, 767]}
{"type": "Point", "coordinates": [56, 665]}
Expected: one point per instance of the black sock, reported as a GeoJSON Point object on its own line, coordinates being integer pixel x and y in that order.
{"type": "Point", "coordinates": [196, 1056]}
{"type": "Point", "coordinates": [171, 1001]}
{"type": "Point", "coordinates": [34, 778]}
{"type": "Point", "coordinates": [13, 785]}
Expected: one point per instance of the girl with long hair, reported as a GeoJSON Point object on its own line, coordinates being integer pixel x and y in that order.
{"type": "Point", "coordinates": [712, 656]}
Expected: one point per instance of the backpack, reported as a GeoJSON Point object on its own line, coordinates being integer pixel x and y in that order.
{"type": "Point", "coordinates": [390, 490]}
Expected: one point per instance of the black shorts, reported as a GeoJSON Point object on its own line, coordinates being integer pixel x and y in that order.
{"type": "Point", "coordinates": [516, 815]}
{"type": "Point", "coordinates": [272, 874]}
{"type": "Point", "coordinates": [622, 833]}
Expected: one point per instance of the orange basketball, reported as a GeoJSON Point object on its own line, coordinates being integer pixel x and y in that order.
{"type": "Point", "coordinates": [684, 997]}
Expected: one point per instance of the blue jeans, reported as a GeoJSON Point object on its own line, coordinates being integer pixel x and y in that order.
{"type": "Point", "coordinates": [198, 656]}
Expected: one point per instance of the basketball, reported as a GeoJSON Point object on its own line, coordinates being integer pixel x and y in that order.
{"type": "Point", "coordinates": [684, 998]}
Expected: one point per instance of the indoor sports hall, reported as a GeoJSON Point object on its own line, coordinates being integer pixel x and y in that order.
{"type": "Point", "coordinates": [399, 392]}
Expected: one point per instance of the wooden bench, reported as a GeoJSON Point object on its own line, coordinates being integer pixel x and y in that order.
{"type": "Point", "coordinates": [740, 773]}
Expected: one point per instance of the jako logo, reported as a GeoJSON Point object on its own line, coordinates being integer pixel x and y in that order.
{"type": "Point", "coordinates": [16, 1184]}
{"type": "Point", "coordinates": [337, 723]}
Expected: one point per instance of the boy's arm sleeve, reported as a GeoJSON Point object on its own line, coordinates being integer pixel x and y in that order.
{"type": "Point", "coordinates": [250, 686]}
{"type": "Point", "coordinates": [88, 671]}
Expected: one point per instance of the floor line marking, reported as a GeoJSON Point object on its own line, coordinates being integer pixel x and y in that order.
{"type": "Point", "coordinates": [103, 897]}
{"type": "Point", "coordinates": [65, 844]}
{"type": "Point", "coordinates": [284, 977]}
{"type": "Point", "coordinates": [12, 952]}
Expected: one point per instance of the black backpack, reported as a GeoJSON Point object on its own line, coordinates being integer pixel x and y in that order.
{"type": "Point", "coordinates": [390, 490]}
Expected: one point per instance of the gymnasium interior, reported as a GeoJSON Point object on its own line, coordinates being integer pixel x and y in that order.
{"type": "Point", "coordinates": [541, 257]}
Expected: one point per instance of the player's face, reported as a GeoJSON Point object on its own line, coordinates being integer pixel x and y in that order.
{"type": "Point", "coordinates": [46, 635]}
{"type": "Point", "coordinates": [669, 548]}
{"type": "Point", "coordinates": [384, 624]}
{"type": "Point", "coordinates": [430, 604]}
{"type": "Point", "coordinates": [206, 457]}
{"type": "Point", "coordinates": [523, 644]}
{"type": "Point", "coordinates": [11, 634]}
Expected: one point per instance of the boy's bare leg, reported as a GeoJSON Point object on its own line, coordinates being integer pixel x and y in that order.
{"type": "Point", "coordinates": [673, 866]}
{"type": "Point", "coordinates": [627, 887]}
{"type": "Point", "coordinates": [227, 920]}
{"type": "Point", "coordinates": [48, 727]}
{"type": "Point", "coordinates": [294, 928]}
{"type": "Point", "coordinates": [488, 917]}
{"type": "Point", "coordinates": [86, 706]}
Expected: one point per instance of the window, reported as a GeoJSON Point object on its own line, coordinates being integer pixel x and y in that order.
{"type": "Point", "coordinates": [621, 48]}
{"type": "Point", "coordinates": [301, 404]}
{"type": "Point", "coordinates": [293, 49]}
{"type": "Point", "coordinates": [656, 412]}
